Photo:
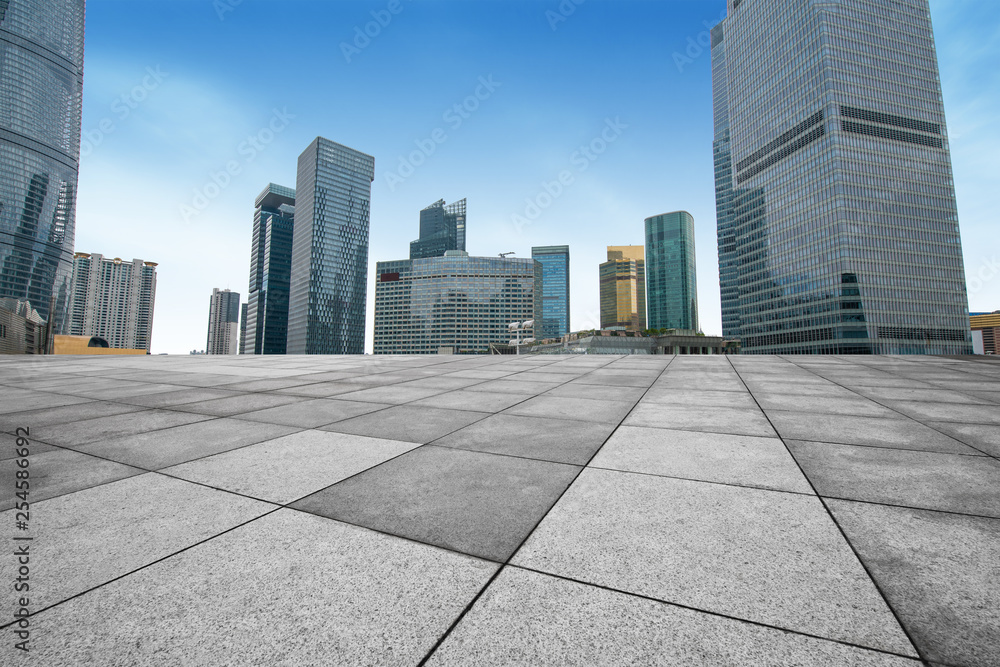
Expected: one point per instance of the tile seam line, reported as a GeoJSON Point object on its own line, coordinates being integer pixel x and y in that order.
{"type": "Point", "coordinates": [710, 612]}
{"type": "Point", "coordinates": [843, 534]}
{"type": "Point", "coordinates": [458, 619]}
{"type": "Point", "coordinates": [903, 414]}
{"type": "Point", "coordinates": [143, 567]}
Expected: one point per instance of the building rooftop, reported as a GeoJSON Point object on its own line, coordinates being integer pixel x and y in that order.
{"type": "Point", "coordinates": [493, 510]}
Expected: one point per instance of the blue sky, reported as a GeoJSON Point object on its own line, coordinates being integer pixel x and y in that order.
{"type": "Point", "coordinates": [192, 106]}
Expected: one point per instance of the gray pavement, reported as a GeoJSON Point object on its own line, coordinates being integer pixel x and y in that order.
{"type": "Point", "coordinates": [532, 510]}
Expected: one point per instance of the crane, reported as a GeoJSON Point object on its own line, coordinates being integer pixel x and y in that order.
{"type": "Point", "coordinates": [503, 255]}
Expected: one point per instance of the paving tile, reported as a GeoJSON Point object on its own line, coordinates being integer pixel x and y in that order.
{"type": "Point", "coordinates": [393, 395]}
{"type": "Point", "coordinates": [411, 423]}
{"type": "Point", "coordinates": [709, 457]}
{"type": "Point", "coordinates": [576, 389]}
{"type": "Point", "coordinates": [479, 504]}
{"type": "Point", "coordinates": [528, 618]}
{"type": "Point", "coordinates": [948, 412]}
{"type": "Point", "coordinates": [90, 537]}
{"type": "Point", "coordinates": [583, 409]}
{"type": "Point", "coordinates": [512, 386]}
{"type": "Point", "coordinates": [348, 596]}
{"type": "Point", "coordinates": [558, 440]}
{"type": "Point", "coordinates": [177, 396]}
{"type": "Point", "coordinates": [616, 380]}
{"type": "Point", "coordinates": [167, 447]}
{"type": "Point", "coordinates": [272, 384]}
{"type": "Point", "coordinates": [872, 431]}
{"type": "Point", "coordinates": [714, 399]}
{"type": "Point", "coordinates": [763, 556]}
{"type": "Point", "coordinates": [735, 421]}
{"type": "Point", "coordinates": [545, 376]}
{"type": "Point", "coordinates": [318, 390]}
{"type": "Point", "coordinates": [234, 405]}
{"type": "Point", "coordinates": [310, 414]}
{"type": "Point", "coordinates": [442, 382]}
{"type": "Point", "coordinates": [950, 482]}
{"type": "Point", "coordinates": [479, 401]}
{"type": "Point", "coordinates": [857, 406]}
{"type": "Point", "coordinates": [984, 437]}
{"type": "Point", "coordinates": [934, 395]}
{"type": "Point", "coordinates": [57, 472]}
{"type": "Point", "coordinates": [20, 400]}
{"type": "Point", "coordinates": [940, 572]}
{"type": "Point", "coordinates": [10, 421]}
{"type": "Point", "coordinates": [81, 432]}
{"type": "Point", "coordinates": [290, 467]}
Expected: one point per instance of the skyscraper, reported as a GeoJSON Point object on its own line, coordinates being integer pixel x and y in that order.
{"type": "Point", "coordinates": [41, 57]}
{"type": "Point", "coordinates": [223, 322]}
{"type": "Point", "coordinates": [456, 302]}
{"type": "Point", "coordinates": [328, 286]}
{"type": "Point", "coordinates": [442, 228]}
{"type": "Point", "coordinates": [671, 280]}
{"type": "Point", "coordinates": [270, 271]}
{"type": "Point", "coordinates": [837, 223]}
{"type": "Point", "coordinates": [113, 300]}
{"type": "Point", "coordinates": [623, 288]}
{"type": "Point", "coordinates": [553, 321]}
{"type": "Point", "coordinates": [243, 328]}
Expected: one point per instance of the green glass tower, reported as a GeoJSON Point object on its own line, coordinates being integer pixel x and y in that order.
{"type": "Point", "coordinates": [671, 280]}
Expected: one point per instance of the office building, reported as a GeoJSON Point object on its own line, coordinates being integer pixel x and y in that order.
{"type": "Point", "coordinates": [41, 57]}
{"type": "Point", "coordinates": [328, 284]}
{"type": "Point", "coordinates": [671, 279]}
{"type": "Point", "coordinates": [837, 223]}
{"type": "Point", "coordinates": [22, 329]}
{"type": "Point", "coordinates": [113, 300]}
{"type": "Point", "coordinates": [553, 321]}
{"type": "Point", "coordinates": [243, 328]}
{"type": "Point", "coordinates": [442, 228]}
{"type": "Point", "coordinates": [455, 303]}
{"type": "Point", "coordinates": [985, 331]}
{"type": "Point", "coordinates": [623, 289]}
{"type": "Point", "coordinates": [266, 319]}
{"type": "Point", "coordinates": [223, 322]}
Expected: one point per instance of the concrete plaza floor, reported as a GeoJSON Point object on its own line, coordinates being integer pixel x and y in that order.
{"type": "Point", "coordinates": [532, 510]}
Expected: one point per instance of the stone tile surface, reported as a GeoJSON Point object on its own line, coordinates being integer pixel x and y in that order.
{"type": "Point", "coordinates": [735, 421]}
{"type": "Point", "coordinates": [583, 409]}
{"type": "Point", "coordinates": [312, 413]}
{"type": "Point", "coordinates": [412, 423]}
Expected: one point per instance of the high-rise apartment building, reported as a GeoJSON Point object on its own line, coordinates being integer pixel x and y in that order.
{"type": "Point", "coordinates": [553, 321]}
{"type": "Point", "coordinates": [456, 302]}
{"type": "Point", "coordinates": [623, 288]}
{"type": "Point", "coordinates": [41, 57]}
{"type": "Point", "coordinates": [328, 285]}
{"type": "Point", "coordinates": [671, 278]}
{"type": "Point", "coordinates": [113, 300]}
{"type": "Point", "coordinates": [270, 271]}
{"type": "Point", "coordinates": [223, 322]}
{"type": "Point", "coordinates": [442, 228]}
{"type": "Point", "coordinates": [837, 223]}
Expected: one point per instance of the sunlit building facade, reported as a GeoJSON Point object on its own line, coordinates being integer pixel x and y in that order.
{"type": "Point", "coordinates": [223, 322]}
{"type": "Point", "coordinates": [837, 222]}
{"type": "Point", "coordinates": [41, 57]}
{"type": "Point", "coordinates": [623, 289]}
{"type": "Point", "coordinates": [553, 321]}
{"type": "Point", "coordinates": [114, 300]}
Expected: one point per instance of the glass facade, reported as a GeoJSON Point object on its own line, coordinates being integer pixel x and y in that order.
{"type": "Point", "coordinates": [671, 280]}
{"type": "Point", "coordinates": [41, 92]}
{"type": "Point", "coordinates": [554, 319]}
{"type": "Point", "coordinates": [458, 302]}
{"type": "Point", "coordinates": [442, 228]}
{"type": "Point", "coordinates": [623, 289]}
{"type": "Point", "coordinates": [270, 271]}
{"type": "Point", "coordinates": [837, 222]}
{"type": "Point", "coordinates": [328, 283]}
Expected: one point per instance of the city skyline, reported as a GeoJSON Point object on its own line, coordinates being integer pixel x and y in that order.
{"type": "Point", "coordinates": [620, 186]}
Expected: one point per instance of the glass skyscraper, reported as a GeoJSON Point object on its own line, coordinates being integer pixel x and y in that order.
{"type": "Point", "coordinates": [41, 57]}
{"type": "Point", "coordinates": [457, 302]}
{"type": "Point", "coordinates": [442, 228]}
{"type": "Point", "coordinates": [837, 223]}
{"type": "Point", "coordinates": [671, 280]}
{"type": "Point", "coordinates": [266, 320]}
{"type": "Point", "coordinates": [328, 286]}
{"type": "Point", "coordinates": [553, 321]}
{"type": "Point", "coordinates": [623, 288]}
